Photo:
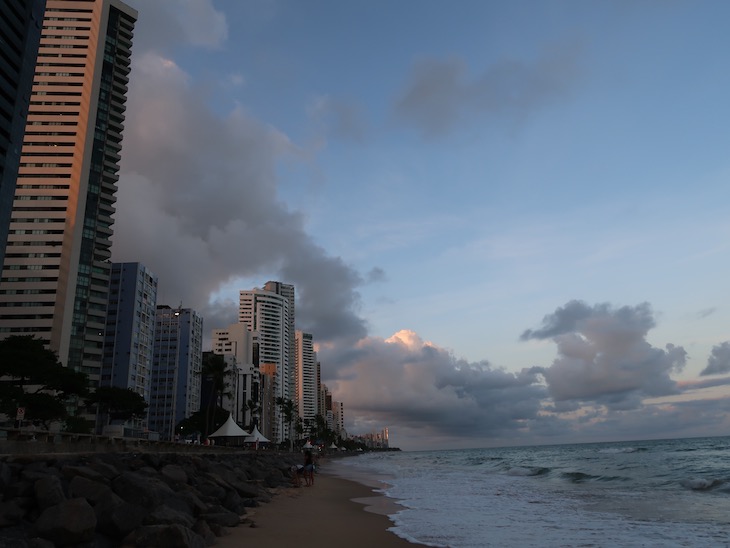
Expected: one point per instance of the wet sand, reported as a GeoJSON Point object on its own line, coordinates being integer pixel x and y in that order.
{"type": "Point", "coordinates": [333, 512]}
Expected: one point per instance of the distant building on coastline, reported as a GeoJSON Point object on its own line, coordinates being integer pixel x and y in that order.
{"type": "Point", "coordinates": [374, 440]}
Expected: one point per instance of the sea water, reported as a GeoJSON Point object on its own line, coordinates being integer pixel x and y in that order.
{"type": "Point", "coordinates": [662, 493]}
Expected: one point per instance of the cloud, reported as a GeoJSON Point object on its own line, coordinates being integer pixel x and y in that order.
{"type": "Point", "coordinates": [704, 313]}
{"type": "Point", "coordinates": [419, 386]}
{"type": "Point", "coordinates": [376, 274]}
{"type": "Point", "coordinates": [440, 94]}
{"type": "Point", "coordinates": [197, 203]}
{"type": "Point", "coordinates": [603, 356]}
{"type": "Point", "coordinates": [338, 117]}
{"type": "Point", "coordinates": [164, 24]}
{"type": "Point", "coordinates": [719, 360]}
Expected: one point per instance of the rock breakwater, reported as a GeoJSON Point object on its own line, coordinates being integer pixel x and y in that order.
{"type": "Point", "coordinates": [133, 499]}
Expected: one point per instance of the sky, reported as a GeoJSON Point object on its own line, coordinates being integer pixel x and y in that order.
{"type": "Point", "coordinates": [506, 222]}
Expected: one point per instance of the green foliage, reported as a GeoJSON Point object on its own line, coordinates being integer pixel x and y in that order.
{"type": "Point", "coordinates": [254, 408]}
{"type": "Point", "coordinates": [33, 378]}
{"type": "Point", "coordinates": [215, 371]}
{"type": "Point", "coordinates": [78, 425]}
{"type": "Point", "coordinates": [321, 432]}
{"type": "Point", "coordinates": [118, 403]}
{"type": "Point", "coordinates": [197, 422]}
{"type": "Point", "coordinates": [287, 408]}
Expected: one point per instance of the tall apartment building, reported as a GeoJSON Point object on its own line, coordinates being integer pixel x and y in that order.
{"type": "Point", "coordinates": [266, 315]}
{"type": "Point", "coordinates": [130, 329]}
{"type": "Point", "coordinates": [338, 418]}
{"type": "Point", "coordinates": [306, 378]}
{"type": "Point", "coordinates": [176, 367]}
{"type": "Point", "coordinates": [55, 280]}
{"type": "Point", "coordinates": [236, 344]}
{"type": "Point", "coordinates": [20, 33]}
{"type": "Point", "coordinates": [287, 291]}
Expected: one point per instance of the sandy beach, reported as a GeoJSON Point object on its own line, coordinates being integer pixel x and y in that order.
{"type": "Point", "coordinates": [333, 512]}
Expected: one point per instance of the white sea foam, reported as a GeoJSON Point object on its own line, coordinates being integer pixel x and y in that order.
{"type": "Point", "coordinates": [462, 500]}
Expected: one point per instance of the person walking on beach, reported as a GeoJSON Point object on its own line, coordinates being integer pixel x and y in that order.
{"type": "Point", "coordinates": [308, 468]}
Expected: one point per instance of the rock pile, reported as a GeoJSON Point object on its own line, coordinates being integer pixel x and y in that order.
{"type": "Point", "coordinates": [125, 499]}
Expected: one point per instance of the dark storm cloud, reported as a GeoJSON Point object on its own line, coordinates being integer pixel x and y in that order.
{"type": "Point", "coordinates": [604, 357]}
{"type": "Point", "coordinates": [441, 94]}
{"type": "Point", "coordinates": [719, 360]}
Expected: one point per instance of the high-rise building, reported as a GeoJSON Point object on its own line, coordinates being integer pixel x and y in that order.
{"type": "Point", "coordinates": [176, 368]}
{"type": "Point", "coordinates": [236, 344]}
{"type": "Point", "coordinates": [55, 280]}
{"type": "Point", "coordinates": [338, 418]}
{"type": "Point", "coordinates": [130, 329]}
{"type": "Point", "coordinates": [266, 315]}
{"type": "Point", "coordinates": [20, 32]}
{"type": "Point", "coordinates": [306, 379]}
{"type": "Point", "coordinates": [287, 291]}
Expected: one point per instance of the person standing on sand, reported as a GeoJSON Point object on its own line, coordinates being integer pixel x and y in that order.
{"type": "Point", "coordinates": [308, 468]}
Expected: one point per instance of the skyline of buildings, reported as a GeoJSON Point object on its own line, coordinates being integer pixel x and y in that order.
{"type": "Point", "coordinates": [64, 77]}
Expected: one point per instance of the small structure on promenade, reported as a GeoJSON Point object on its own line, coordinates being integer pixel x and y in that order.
{"type": "Point", "coordinates": [256, 437]}
{"type": "Point", "coordinates": [230, 433]}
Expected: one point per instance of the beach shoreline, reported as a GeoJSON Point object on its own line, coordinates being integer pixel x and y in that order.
{"type": "Point", "coordinates": [334, 508]}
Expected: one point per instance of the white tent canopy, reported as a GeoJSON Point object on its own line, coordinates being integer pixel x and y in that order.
{"type": "Point", "coordinates": [308, 445]}
{"type": "Point", "coordinates": [256, 436]}
{"type": "Point", "coordinates": [333, 446]}
{"type": "Point", "coordinates": [229, 430]}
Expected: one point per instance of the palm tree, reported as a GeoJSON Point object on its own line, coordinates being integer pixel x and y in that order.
{"type": "Point", "coordinates": [287, 408]}
{"type": "Point", "coordinates": [253, 408]}
{"type": "Point", "coordinates": [215, 370]}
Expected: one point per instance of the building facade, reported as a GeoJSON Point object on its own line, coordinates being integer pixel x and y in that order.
{"type": "Point", "coordinates": [266, 315]}
{"type": "Point", "coordinates": [287, 291]}
{"type": "Point", "coordinates": [176, 368]}
{"type": "Point", "coordinates": [306, 379]}
{"type": "Point", "coordinates": [55, 280]}
{"type": "Point", "coordinates": [236, 344]}
{"type": "Point", "coordinates": [130, 329]}
{"type": "Point", "coordinates": [20, 33]}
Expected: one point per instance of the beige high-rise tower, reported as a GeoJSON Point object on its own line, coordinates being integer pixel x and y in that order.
{"type": "Point", "coordinates": [56, 275]}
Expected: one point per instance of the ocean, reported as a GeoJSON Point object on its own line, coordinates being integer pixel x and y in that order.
{"type": "Point", "coordinates": [662, 493]}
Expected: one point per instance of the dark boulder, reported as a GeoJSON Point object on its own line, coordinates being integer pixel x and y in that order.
{"type": "Point", "coordinates": [70, 522]}
{"type": "Point", "coordinates": [141, 490]}
{"type": "Point", "coordinates": [48, 492]}
{"type": "Point", "coordinates": [11, 513]}
{"type": "Point", "coordinates": [91, 490]}
{"type": "Point", "coordinates": [156, 536]}
{"type": "Point", "coordinates": [117, 518]}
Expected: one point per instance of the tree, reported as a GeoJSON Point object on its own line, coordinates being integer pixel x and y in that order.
{"type": "Point", "coordinates": [287, 408]}
{"type": "Point", "coordinates": [322, 433]}
{"type": "Point", "coordinates": [117, 403]}
{"type": "Point", "coordinates": [33, 378]}
{"type": "Point", "coordinates": [215, 371]}
{"type": "Point", "coordinates": [254, 408]}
